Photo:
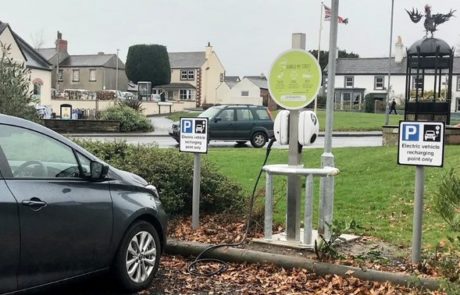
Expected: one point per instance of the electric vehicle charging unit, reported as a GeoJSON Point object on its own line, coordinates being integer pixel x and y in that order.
{"type": "Point", "coordinates": [309, 173]}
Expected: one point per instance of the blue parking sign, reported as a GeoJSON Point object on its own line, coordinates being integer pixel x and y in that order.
{"type": "Point", "coordinates": [410, 132]}
{"type": "Point", "coordinates": [187, 126]}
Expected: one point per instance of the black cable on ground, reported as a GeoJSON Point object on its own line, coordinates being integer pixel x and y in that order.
{"type": "Point", "coordinates": [192, 267]}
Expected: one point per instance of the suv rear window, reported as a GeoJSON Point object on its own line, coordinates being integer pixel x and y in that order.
{"type": "Point", "coordinates": [263, 114]}
{"type": "Point", "coordinates": [244, 115]}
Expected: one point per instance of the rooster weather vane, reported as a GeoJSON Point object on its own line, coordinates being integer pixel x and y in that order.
{"type": "Point", "coordinates": [431, 20]}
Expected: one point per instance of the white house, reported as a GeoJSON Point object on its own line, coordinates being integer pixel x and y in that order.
{"type": "Point", "coordinates": [249, 90]}
{"type": "Point", "coordinates": [39, 68]}
{"type": "Point", "coordinates": [357, 77]}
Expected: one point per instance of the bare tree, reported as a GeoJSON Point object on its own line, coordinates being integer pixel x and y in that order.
{"type": "Point", "coordinates": [37, 39]}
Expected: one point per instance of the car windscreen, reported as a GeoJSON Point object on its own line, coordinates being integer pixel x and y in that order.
{"type": "Point", "coordinates": [209, 113]}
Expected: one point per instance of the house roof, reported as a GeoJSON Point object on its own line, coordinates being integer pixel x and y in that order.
{"type": "Point", "coordinates": [92, 60]}
{"type": "Point", "coordinates": [47, 53]}
{"type": "Point", "coordinates": [176, 86]}
{"type": "Point", "coordinates": [377, 66]}
{"type": "Point", "coordinates": [231, 80]}
{"type": "Point", "coordinates": [186, 59]}
{"type": "Point", "coordinates": [3, 26]}
{"type": "Point", "coordinates": [33, 58]}
{"type": "Point", "coordinates": [259, 81]}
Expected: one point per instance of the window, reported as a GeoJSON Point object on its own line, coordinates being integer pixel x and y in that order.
{"type": "Point", "coordinates": [346, 96]}
{"type": "Point", "coordinates": [185, 94]}
{"type": "Point", "coordinates": [262, 114]}
{"type": "Point", "coordinates": [92, 75]}
{"type": "Point", "coordinates": [379, 82]}
{"type": "Point", "coordinates": [244, 115]}
{"type": "Point", "coordinates": [187, 74]}
{"type": "Point", "coordinates": [52, 160]}
{"type": "Point", "coordinates": [61, 75]}
{"type": "Point", "coordinates": [75, 75]}
{"type": "Point", "coordinates": [37, 89]}
{"type": "Point", "coordinates": [349, 81]}
{"type": "Point", "coordinates": [244, 93]}
{"type": "Point", "coordinates": [458, 83]}
{"type": "Point", "coordinates": [226, 115]}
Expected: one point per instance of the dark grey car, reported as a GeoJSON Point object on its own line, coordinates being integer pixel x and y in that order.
{"type": "Point", "coordinates": [64, 213]}
{"type": "Point", "coordinates": [238, 123]}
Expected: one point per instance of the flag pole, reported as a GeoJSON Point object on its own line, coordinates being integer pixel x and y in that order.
{"type": "Point", "coordinates": [319, 48]}
{"type": "Point", "coordinates": [387, 107]}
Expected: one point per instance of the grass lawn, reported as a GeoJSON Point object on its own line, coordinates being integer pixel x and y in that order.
{"type": "Point", "coordinates": [371, 188]}
{"type": "Point", "coordinates": [176, 116]}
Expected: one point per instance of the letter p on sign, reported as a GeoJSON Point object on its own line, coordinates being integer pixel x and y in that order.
{"type": "Point", "coordinates": [187, 126]}
{"type": "Point", "coordinates": [410, 132]}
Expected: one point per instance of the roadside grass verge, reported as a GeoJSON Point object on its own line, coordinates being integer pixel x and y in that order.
{"type": "Point", "coordinates": [176, 116]}
{"type": "Point", "coordinates": [372, 189]}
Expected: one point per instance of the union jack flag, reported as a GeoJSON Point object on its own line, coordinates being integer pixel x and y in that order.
{"type": "Point", "coordinates": [327, 16]}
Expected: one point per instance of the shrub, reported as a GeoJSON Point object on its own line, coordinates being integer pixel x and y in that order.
{"type": "Point", "coordinates": [130, 120]}
{"type": "Point", "coordinates": [172, 173]}
{"type": "Point", "coordinates": [447, 199]}
{"type": "Point", "coordinates": [133, 103]}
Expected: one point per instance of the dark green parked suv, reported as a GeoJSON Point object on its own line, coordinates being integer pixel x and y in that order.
{"type": "Point", "coordinates": [238, 123]}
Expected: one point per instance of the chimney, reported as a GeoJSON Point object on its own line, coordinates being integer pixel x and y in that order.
{"type": "Point", "coordinates": [208, 50]}
{"type": "Point", "coordinates": [100, 53]}
{"type": "Point", "coordinates": [400, 53]}
{"type": "Point", "coordinates": [61, 45]}
{"type": "Point", "coordinates": [298, 40]}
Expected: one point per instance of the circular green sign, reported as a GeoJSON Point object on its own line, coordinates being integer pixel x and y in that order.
{"type": "Point", "coordinates": [295, 79]}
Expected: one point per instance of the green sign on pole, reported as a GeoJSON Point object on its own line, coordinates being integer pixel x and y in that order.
{"type": "Point", "coordinates": [295, 79]}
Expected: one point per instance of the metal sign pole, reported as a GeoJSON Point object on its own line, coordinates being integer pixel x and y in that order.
{"type": "Point", "coordinates": [196, 191]}
{"type": "Point", "coordinates": [294, 159]}
{"type": "Point", "coordinates": [327, 158]}
{"type": "Point", "coordinates": [418, 213]}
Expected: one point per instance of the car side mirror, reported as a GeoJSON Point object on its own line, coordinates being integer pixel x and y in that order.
{"type": "Point", "coordinates": [98, 170]}
{"type": "Point", "coordinates": [217, 120]}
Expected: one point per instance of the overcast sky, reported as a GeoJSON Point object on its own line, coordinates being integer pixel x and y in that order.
{"type": "Point", "coordinates": [246, 34]}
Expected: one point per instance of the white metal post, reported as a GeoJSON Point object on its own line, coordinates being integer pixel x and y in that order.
{"type": "Point", "coordinates": [327, 158]}
{"type": "Point", "coordinates": [418, 214]}
{"type": "Point", "coordinates": [268, 221]}
{"type": "Point", "coordinates": [294, 159]}
{"type": "Point", "coordinates": [196, 191]}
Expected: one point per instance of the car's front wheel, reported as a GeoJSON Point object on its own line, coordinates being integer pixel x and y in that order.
{"type": "Point", "coordinates": [259, 139]}
{"type": "Point", "coordinates": [138, 257]}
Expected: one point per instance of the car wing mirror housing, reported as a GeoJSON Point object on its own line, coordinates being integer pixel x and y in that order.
{"type": "Point", "coordinates": [217, 120]}
{"type": "Point", "coordinates": [98, 170]}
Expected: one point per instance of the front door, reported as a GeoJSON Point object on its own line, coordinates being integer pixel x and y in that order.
{"type": "Point", "coordinates": [65, 220]}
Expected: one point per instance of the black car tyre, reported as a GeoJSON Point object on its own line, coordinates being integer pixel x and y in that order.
{"type": "Point", "coordinates": [259, 139]}
{"type": "Point", "coordinates": [138, 257]}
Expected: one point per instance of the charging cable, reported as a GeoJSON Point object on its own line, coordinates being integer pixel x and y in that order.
{"type": "Point", "coordinates": [192, 267]}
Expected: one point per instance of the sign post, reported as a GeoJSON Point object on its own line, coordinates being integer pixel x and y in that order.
{"type": "Point", "coordinates": [420, 144]}
{"type": "Point", "coordinates": [194, 139]}
{"type": "Point", "coordinates": [294, 82]}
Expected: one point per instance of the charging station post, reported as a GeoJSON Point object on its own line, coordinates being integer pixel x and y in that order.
{"type": "Point", "coordinates": [194, 139]}
{"type": "Point", "coordinates": [294, 82]}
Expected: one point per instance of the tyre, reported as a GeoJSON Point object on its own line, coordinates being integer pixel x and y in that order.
{"type": "Point", "coordinates": [138, 257]}
{"type": "Point", "coordinates": [241, 142]}
{"type": "Point", "coordinates": [259, 139]}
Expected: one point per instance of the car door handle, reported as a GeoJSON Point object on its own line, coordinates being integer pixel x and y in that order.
{"type": "Point", "coordinates": [35, 204]}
